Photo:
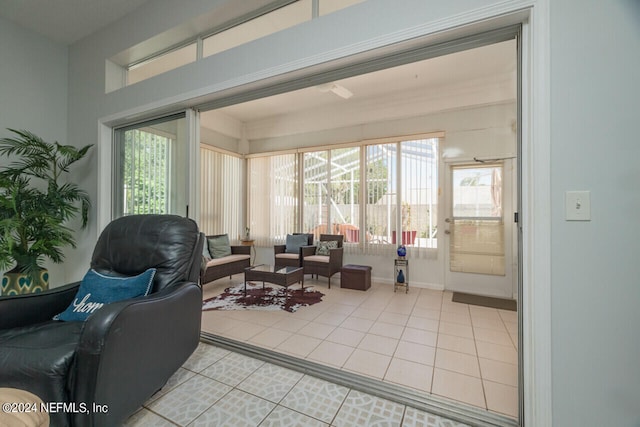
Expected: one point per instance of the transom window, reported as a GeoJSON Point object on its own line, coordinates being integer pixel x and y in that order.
{"type": "Point", "coordinates": [125, 69]}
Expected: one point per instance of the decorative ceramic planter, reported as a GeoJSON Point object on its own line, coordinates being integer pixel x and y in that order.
{"type": "Point", "coordinates": [401, 251]}
{"type": "Point", "coordinates": [16, 283]}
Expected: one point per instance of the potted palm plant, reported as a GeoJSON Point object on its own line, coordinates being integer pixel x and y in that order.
{"type": "Point", "coordinates": [36, 205]}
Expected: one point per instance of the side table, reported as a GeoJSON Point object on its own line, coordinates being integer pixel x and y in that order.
{"type": "Point", "coordinates": [401, 274]}
{"type": "Point", "coordinates": [250, 242]}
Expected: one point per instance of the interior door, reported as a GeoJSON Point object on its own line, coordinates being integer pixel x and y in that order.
{"type": "Point", "coordinates": [478, 229]}
{"type": "Point", "coordinates": [151, 172]}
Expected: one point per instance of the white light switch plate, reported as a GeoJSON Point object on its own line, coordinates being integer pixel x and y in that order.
{"type": "Point", "coordinates": [577, 205]}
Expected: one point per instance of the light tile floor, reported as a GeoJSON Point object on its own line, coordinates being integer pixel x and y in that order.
{"type": "Point", "coordinates": [421, 339]}
{"type": "Point", "coordinates": [217, 387]}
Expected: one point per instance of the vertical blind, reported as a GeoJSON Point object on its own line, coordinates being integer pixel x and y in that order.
{"type": "Point", "coordinates": [419, 193]}
{"type": "Point", "coordinates": [272, 203]}
{"type": "Point", "coordinates": [316, 191]}
{"type": "Point", "coordinates": [381, 199]}
{"type": "Point", "coordinates": [145, 172]}
{"type": "Point", "coordinates": [221, 193]}
{"type": "Point", "coordinates": [345, 193]}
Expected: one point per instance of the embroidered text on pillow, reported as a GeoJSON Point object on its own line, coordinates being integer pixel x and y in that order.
{"type": "Point", "coordinates": [86, 306]}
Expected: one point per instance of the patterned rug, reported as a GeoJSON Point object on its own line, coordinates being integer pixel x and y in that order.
{"type": "Point", "coordinates": [278, 298]}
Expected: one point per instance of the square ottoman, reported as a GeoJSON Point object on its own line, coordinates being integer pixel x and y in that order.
{"type": "Point", "coordinates": [355, 277]}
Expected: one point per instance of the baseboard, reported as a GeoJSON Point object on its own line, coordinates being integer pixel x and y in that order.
{"type": "Point", "coordinates": [412, 284]}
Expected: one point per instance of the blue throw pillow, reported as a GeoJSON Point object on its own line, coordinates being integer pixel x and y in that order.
{"type": "Point", "coordinates": [98, 289]}
{"type": "Point", "coordinates": [294, 242]}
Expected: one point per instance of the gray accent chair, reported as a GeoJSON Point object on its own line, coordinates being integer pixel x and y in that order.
{"type": "Point", "coordinates": [285, 259]}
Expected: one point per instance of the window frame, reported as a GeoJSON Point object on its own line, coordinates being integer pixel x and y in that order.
{"type": "Point", "coordinates": [176, 153]}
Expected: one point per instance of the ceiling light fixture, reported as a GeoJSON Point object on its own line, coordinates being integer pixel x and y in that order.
{"type": "Point", "coordinates": [339, 90]}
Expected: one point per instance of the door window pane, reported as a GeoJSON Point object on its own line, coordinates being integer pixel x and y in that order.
{"type": "Point", "coordinates": [477, 227]}
{"type": "Point", "coordinates": [150, 174]}
{"type": "Point", "coordinates": [477, 192]}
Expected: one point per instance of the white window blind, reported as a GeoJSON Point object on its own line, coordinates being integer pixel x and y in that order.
{"type": "Point", "coordinates": [381, 199]}
{"type": "Point", "coordinates": [345, 195]}
{"type": "Point", "coordinates": [315, 210]}
{"type": "Point", "coordinates": [273, 198]}
{"type": "Point", "coordinates": [146, 172]}
{"type": "Point", "coordinates": [221, 189]}
{"type": "Point", "coordinates": [419, 193]}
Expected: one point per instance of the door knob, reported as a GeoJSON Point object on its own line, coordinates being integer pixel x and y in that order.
{"type": "Point", "coordinates": [448, 220]}
{"type": "Point", "coordinates": [447, 232]}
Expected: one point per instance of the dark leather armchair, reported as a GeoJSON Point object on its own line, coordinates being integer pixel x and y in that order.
{"type": "Point", "coordinates": [285, 259]}
{"type": "Point", "coordinates": [326, 265]}
{"type": "Point", "coordinates": [125, 351]}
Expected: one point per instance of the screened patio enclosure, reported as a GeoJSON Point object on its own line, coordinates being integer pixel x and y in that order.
{"type": "Point", "coordinates": [376, 195]}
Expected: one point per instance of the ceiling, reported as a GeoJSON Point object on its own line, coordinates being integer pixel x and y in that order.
{"type": "Point", "coordinates": [401, 90]}
{"type": "Point", "coordinates": [66, 21]}
{"type": "Point", "coordinates": [480, 76]}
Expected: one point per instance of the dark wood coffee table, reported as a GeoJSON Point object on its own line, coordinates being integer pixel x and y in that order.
{"type": "Point", "coordinates": [281, 276]}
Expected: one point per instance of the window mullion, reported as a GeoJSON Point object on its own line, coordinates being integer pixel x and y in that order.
{"type": "Point", "coordinates": [362, 206]}
{"type": "Point", "coordinates": [329, 195]}
{"type": "Point", "coordinates": [399, 187]}
{"type": "Point", "coordinates": [300, 191]}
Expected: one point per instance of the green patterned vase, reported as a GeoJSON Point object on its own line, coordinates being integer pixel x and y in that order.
{"type": "Point", "coordinates": [15, 283]}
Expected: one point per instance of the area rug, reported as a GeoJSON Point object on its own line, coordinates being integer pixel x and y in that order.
{"type": "Point", "coordinates": [257, 298]}
{"type": "Point", "coordinates": [500, 303]}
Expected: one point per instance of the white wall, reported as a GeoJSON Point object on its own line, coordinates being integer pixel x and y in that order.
{"type": "Point", "coordinates": [33, 93]}
{"type": "Point", "coordinates": [33, 83]}
{"type": "Point", "coordinates": [594, 275]}
{"type": "Point", "coordinates": [595, 287]}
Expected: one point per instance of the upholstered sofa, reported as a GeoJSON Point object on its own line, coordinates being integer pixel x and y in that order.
{"type": "Point", "coordinates": [214, 267]}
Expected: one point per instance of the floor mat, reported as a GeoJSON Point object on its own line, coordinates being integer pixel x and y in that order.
{"type": "Point", "coordinates": [500, 303]}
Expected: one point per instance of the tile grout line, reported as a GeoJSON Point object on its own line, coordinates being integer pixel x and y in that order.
{"type": "Point", "coordinates": [435, 352]}
{"type": "Point", "coordinates": [475, 342]}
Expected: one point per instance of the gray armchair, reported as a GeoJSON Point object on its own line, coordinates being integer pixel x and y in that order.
{"type": "Point", "coordinates": [282, 258]}
{"type": "Point", "coordinates": [326, 265]}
